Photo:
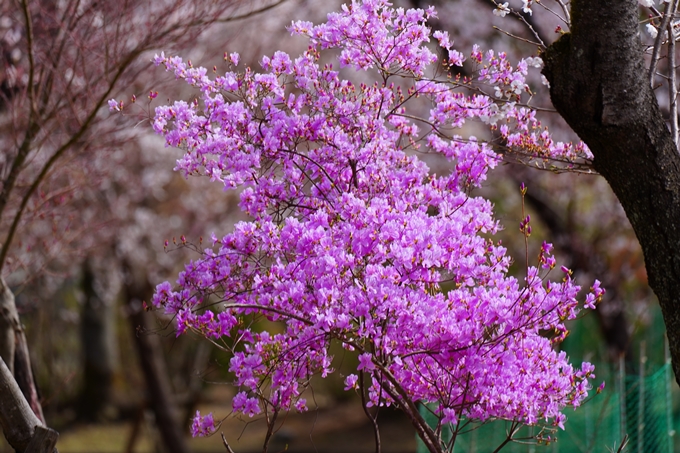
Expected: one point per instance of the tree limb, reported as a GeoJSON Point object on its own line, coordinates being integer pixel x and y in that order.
{"type": "Point", "coordinates": [16, 417]}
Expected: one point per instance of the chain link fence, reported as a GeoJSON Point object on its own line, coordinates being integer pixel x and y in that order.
{"type": "Point", "coordinates": [633, 408]}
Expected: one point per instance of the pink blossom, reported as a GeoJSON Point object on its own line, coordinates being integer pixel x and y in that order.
{"type": "Point", "coordinates": [351, 382]}
{"type": "Point", "coordinates": [234, 58]}
{"type": "Point", "coordinates": [351, 238]}
{"type": "Point", "coordinates": [202, 425]}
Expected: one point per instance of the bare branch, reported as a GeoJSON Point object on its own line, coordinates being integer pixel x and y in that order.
{"type": "Point", "coordinates": [55, 157]}
{"type": "Point", "coordinates": [251, 13]}
{"type": "Point", "coordinates": [31, 62]}
{"type": "Point", "coordinates": [666, 17]}
{"type": "Point", "coordinates": [16, 417]}
{"type": "Point", "coordinates": [226, 444]}
{"type": "Point", "coordinates": [565, 9]}
{"type": "Point", "coordinates": [528, 41]}
{"type": "Point", "coordinates": [672, 84]}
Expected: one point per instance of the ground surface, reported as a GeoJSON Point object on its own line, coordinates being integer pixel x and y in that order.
{"type": "Point", "coordinates": [339, 428]}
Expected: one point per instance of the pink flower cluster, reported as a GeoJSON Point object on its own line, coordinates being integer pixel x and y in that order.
{"type": "Point", "coordinates": [203, 425]}
{"type": "Point", "coordinates": [354, 241]}
{"type": "Point", "coordinates": [520, 130]}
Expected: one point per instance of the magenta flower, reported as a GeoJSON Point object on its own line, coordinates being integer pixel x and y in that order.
{"type": "Point", "coordinates": [352, 239]}
{"type": "Point", "coordinates": [202, 425]}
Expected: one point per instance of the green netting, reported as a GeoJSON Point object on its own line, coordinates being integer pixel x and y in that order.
{"type": "Point", "coordinates": [648, 409]}
{"type": "Point", "coordinates": [640, 407]}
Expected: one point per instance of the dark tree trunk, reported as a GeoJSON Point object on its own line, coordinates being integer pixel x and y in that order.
{"type": "Point", "coordinates": [98, 338]}
{"type": "Point", "coordinates": [159, 389]}
{"type": "Point", "coordinates": [598, 83]}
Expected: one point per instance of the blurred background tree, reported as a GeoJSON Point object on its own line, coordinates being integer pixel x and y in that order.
{"type": "Point", "coordinates": [73, 190]}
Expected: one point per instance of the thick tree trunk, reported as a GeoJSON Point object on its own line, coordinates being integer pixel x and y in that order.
{"type": "Point", "coordinates": [16, 417]}
{"type": "Point", "coordinates": [14, 349]}
{"type": "Point", "coordinates": [159, 389]}
{"type": "Point", "coordinates": [22, 429]}
{"type": "Point", "coordinates": [598, 83]}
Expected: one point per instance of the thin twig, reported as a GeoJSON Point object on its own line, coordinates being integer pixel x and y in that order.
{"type": "Point", "coordinates": [270, 429]}
{"type": "Point", "coordinates": [251, 13]}
{"type": "Point", "coordinates": [567, 17]}
{"type": "Point", "coordinates": [532, 29]}
{"type": "Point", "coordinates": [523, 19]}
{"type": "Point", "coordinates": [376, 429]}
{"type": "Point", "coordinates": [513, 430]}
{"type": "Point", "coordinates": [31, 60]}
{"type": "Point", "coordinates": [226, 444]}
{"type": "Point", "coordinates": [657, 43]}
{"type": "Point", "coordinates": [539, 44]}
{"type": "Point", "coordinates": [672, 85]}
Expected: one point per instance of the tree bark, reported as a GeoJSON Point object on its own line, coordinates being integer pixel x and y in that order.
{"type": "Point", "coordinates": [9, 320]}
{"type": "Point", "coordinates": [23, 373]}
{"type": "Point", "coordinates": [14, 349]}
{"type": "Point", "coordinates": [598, 83]}
{"type": "Point", "coordinates": [22, 428]}
{"type": "Point", "coordinates": [43, 441]}
{"type": "Point", "coordinates": [16, 417]}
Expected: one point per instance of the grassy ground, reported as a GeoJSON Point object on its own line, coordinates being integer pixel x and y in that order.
{"type": "Point", "coordinates": [336, 429]}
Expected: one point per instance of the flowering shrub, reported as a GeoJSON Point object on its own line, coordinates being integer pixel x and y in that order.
{"type": "Point", "coordinates": [352, 236]}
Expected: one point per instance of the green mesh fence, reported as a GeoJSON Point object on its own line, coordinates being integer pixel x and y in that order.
{"type": "Point", "coordinates": [648, 412]}
{"type": "Point", "coordinates": [640, 407]}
